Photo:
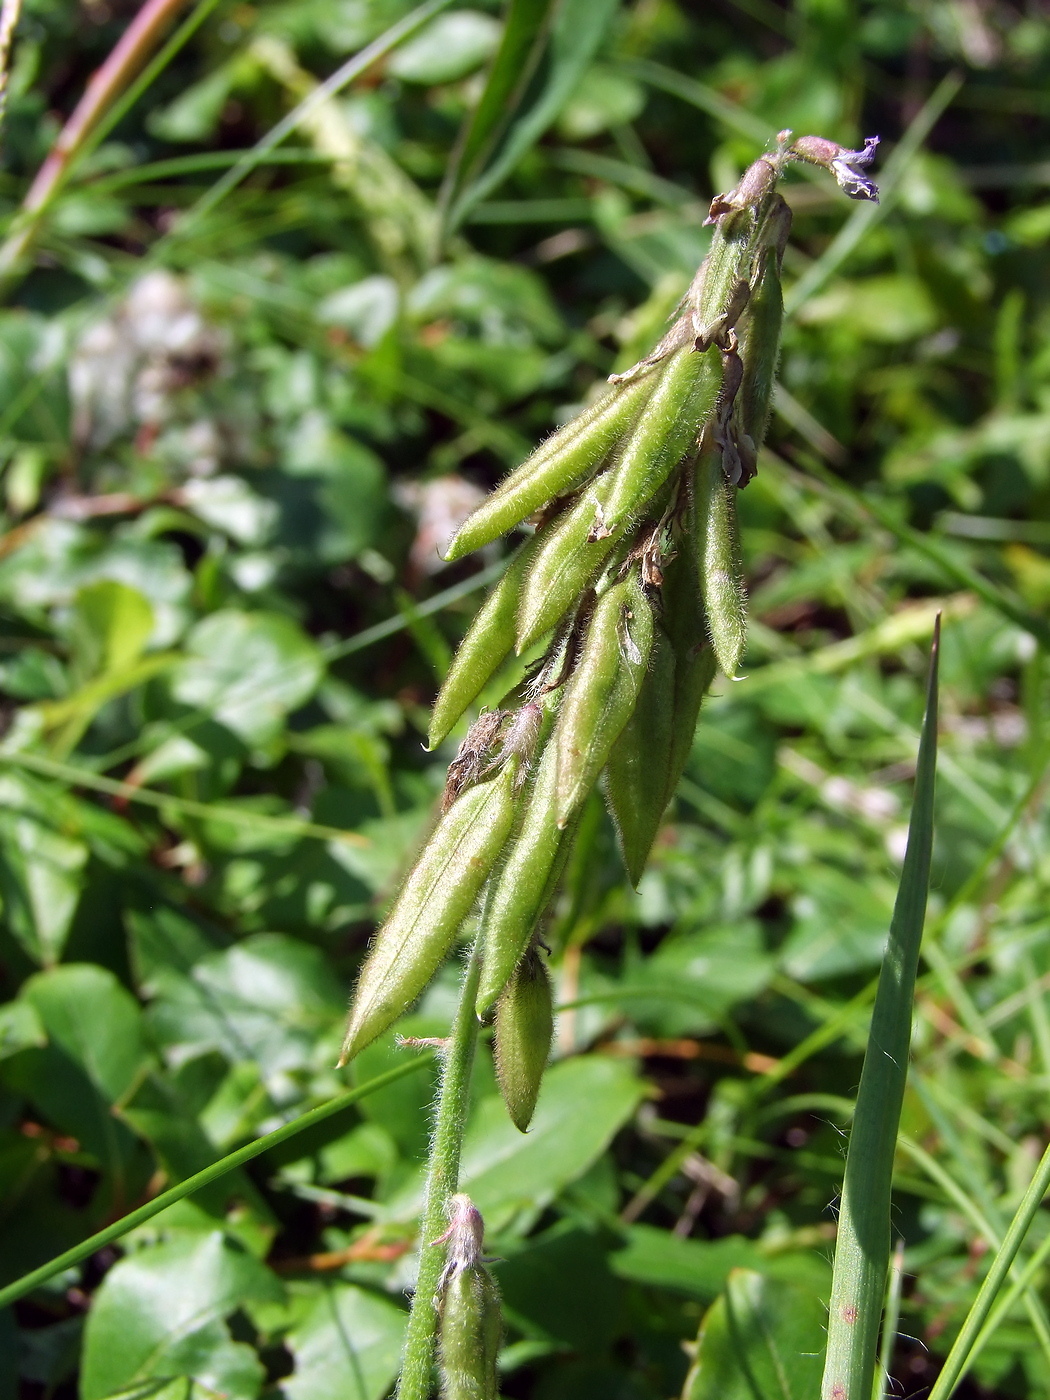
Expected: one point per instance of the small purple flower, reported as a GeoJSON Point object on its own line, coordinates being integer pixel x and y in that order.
{"type": "Point", "coordinates": [848, 168]}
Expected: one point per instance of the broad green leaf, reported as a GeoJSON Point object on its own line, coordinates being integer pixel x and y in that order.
{"type": "Point", "coordinates": [20, 1028]}
{"type": "Point", "coordinates": [267, 999]}
{"type": "Point", "coordinates": [582, 1103]}
{"type": "Point", "coordinates": [762, 1340]}
{"type": "Point", "coordinates": [94, 1056]}
{"type": "Point", "coordinates": [693, 979]}
{"type": "Point", "coordinates": [97, 1022]}
{"type": "Point", "coordinates": [248, 670]}
{"type": "Point", "coordinates": [159, 1314]}
{"type": "Point", "coordinates": [347, 1347]}
{"type": "Point", "coordinates": [110, 626]}
{"type": "Point", "coordinates": [701, 1267]}
{"type": "Point", "coordinates": [41, 869]}
{"type": "Point", "coordinates": [450, 47]}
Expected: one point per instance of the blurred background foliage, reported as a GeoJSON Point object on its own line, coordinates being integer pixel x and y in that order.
{"type": "Point", "coordinates": [237, 422]}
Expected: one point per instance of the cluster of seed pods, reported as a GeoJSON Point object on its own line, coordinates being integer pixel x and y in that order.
{"type": "Point", "coordinates": [633, 575]}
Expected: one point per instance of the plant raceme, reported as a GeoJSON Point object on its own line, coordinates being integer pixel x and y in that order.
{"type": "Point", "coordinates": [633, 577]}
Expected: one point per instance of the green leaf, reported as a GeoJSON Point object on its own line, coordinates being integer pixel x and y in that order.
{"type": "Point", "coordinates": [111, 625]}
{"type": "Point", "coordinates": [97, 1022]}
{"type": "Point", "coordinates": [347, 1347]}
{"type": "Point", "coordinates": [248, 670]}
{"type": "Point", "coordinates": [41, 868]}
{"type": "Point", "coordinates": [582, 1104]}
{"type": "Point", "coordinates": [266, 1000]}
{"type": "Point", "coordinates": [701, 1267]}
{"type": "Point", "coordinates": [762, 1340]}
{"type": "Point", "coordinates": [524, 37]}
{"type": "Point", "coordinates": [20, 1028]}
{"type": "Point", "coordinates": [94, 1056]}
{"type": "Point", "coordinates": [159, 1314]}
{"type": "Point", "coordinates": [450, 47]}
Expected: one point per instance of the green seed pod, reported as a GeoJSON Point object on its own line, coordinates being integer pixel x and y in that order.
{"type": "Point", "coordinates": [721, 573]}
{"type": "Point", "coordinates": [636, 773]}
{"type": "Point", "coordinates": [647, 760]}
{"type": "Point", "coordinates": [524, 1027]}
{"type": "Point", "coordinates": [571, 554]}
{"type": "Point", "coordinates": [471, 1330]}
{"type": "Point", "coordinates": [556, 468]}
{"type": "Point", "coordinates": [434, 900]}
{"type": "Point", "coordinates": [602, 690]}
{"type": "Point", "coordinates": [521, 891]}
{"type": "Point", "coordinates": [760, 353]}
{"type": "Point", "coordinates": [576, 548]}
{"type": "Point", "coordinates": [667, 427]}
{"type": "Point", "coordinates": [489, 640]}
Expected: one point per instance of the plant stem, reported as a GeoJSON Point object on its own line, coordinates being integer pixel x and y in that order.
{"type": "Point", "coordinates": [104, 86]}
{"type": "Point", "coordinates": [964, 1348]}
{"type": "Point", "coordinates": [10, 12]}
{"type": "Point", "coordinates": [442, 1179]}
{"type": "Point", "coordinates": [863, 1247]}
{"type": "Point", "coordinates": [93, 1243]}
{"type": "Point", "coordinates": [890, 1319]}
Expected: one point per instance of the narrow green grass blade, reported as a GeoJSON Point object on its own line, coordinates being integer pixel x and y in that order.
{"type": "Point", "coordinates": [226, 1164]}
{"type": "Point", "coordinates": [863, 1248]}
{"type": "Point", "coordinates": [890, 1319]}
{"type": "Point", "coordinates": [973, 1333]}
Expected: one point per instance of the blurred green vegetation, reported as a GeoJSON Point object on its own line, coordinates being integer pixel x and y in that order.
{"type": "Point", "coordinates": [235, 431]}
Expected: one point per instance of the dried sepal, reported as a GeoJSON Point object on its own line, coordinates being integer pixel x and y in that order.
{"type": "Point", "coordinates": [471, 1325]}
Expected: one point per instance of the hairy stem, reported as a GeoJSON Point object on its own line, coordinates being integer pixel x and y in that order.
{"type": "Point", "coordinates": [442, 1179]}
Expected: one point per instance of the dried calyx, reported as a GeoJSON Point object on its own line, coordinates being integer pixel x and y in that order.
{"type": "Point", "coordinates": [630, 595]}
{"type": "Point", "coordinates": [471, 1325]}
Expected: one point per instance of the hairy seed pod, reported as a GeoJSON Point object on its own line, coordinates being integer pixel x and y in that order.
{"type": "Point", "coordinates": [666, 429]}
{"type": "Point", "coordinates": [647, 760]}
{"type": "Point", "coordinates": [571, 554]}
{"type": "Point", "coordinates": [721, 573]}
{"type": "Point", "coordinates": [524, 1027]}
{"type": "Point", "coordinates": [434, 900]}
{"type": "Point", "coordinates": [489, 640]}
{"type": "Point", "coordinates": [524, 885]}
{"type": "Point", "coordinates": [715, 294]}
{"type": "Point", "coordinates": [602, 691]}
{"type": "Point", "coordinates": [575, 549]}
{"type": "Point", "coordinates": [636, 773]}
{"type": "Point", "coordinates": [470, 1335]}
{"type": "Point", "coordinates": [557, 467]}
{"type": "Point", "coordinates": [760, 354]}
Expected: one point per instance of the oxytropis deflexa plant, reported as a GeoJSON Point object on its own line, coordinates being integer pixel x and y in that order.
{"type": "Point", "coordinates": [632, 579]}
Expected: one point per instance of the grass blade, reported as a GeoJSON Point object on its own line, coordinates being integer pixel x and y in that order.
{"type": "Point", "coordinates": [226, 1164]}
{"type": "Point", "coordinates": [524, 38]}
{"type": "Point", "coordinates": [578, 29]}
{"type": "Point", "coordinates": [973, 1334]}
{"type": "Point", "coordinates": [863, 1248]}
